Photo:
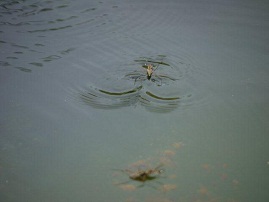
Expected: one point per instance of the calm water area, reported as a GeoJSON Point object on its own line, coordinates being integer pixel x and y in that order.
{"type": "Point", "coordinates": [80, 116]}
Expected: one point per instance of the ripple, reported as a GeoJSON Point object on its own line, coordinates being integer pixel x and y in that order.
{"type": "Point", "coordinates": [155, 103]}
{"type": "Point", "coordinates": [103, 99]}
{"type": "Point", "coordinates": [37, 64]}
{"type": "Point", "coordinates": [154, 100]}
{"type": "Point", "coordinates": [33, 21]}
{"type": "Point", "coordinates": [50, 29]}
{"type": "Point", "coordinates": [4, 64]}
{"type": "Point", "coordinates": [88, 10]}
{"type": "Point", "coordinates": [169, 87]}
{"type": "Point", "coordinates": [51, 58]}
{"type": "Point", "coordinates": [23, 69]}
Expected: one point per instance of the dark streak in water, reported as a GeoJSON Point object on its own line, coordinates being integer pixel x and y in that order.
{"type": "Point", "coordinates": [39, 44]}
{"type": "Point", "coordinates": [3, 63]}
{"type": "Point", "coordinates": [103, 99]}
{"type": "Point", "coordinates": [161, 98]}
{"type": "Point", "coordinates": [13, 58]}
{"type": "Point", "coordinates": [121, 93]}
{"type": "Point", "coordinates": [84, 22]}
{"type": "Point", "coordinates": [63, 19]}
{"type": "Point", "coordinates": [37, 64]}
{"type": "Point", "coordinates": [51, 58]}
{"type": "Point", "coordinates": [62, 6]}
{"type": "Point", "coordinates": [23, 69]}
{"type": "Point", "coordinates": [50, 29]}
{"type": "Point", "coordinates": [88, 10]}
{"type": "Point", "coordinates": [14, 24]}
{"type": "Point", "coordinates": [19, 46]}
{"type": "Point", "coordinates": [67, 51]}
{"type": "Point", "coordinates": [45, 9]}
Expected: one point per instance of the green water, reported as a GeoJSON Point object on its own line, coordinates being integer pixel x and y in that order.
{"type": "Point", "coordinates": [77, 109]}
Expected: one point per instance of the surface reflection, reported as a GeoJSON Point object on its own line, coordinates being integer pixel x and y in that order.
{"type": "Point", "coordinates": [145, 173]}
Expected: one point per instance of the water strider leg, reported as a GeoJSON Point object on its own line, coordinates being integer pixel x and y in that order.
{"type": "Point", "coordinates": [159, 80]}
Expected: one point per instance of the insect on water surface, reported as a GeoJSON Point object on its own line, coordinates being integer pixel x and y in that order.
{"type": "Point", "coordinates": [149, 71]}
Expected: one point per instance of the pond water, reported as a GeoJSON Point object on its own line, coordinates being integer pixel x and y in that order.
{"type": "Point", "coordinates": [80, 117]}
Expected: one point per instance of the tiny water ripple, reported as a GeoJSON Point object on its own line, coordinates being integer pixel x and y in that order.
{"type": "Point", "coordinates": [102, 99]}
{"type": "Point", "coordinates": [34, 22]}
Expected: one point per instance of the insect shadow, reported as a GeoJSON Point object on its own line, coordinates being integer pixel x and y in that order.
{"type": "Point", "coordinates": [143, 176]}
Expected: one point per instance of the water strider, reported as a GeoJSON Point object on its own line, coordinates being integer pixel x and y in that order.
{"type": "Point", "coordinates": [147, 71]}
{"type": "Point", "coordinates": [150, 74]}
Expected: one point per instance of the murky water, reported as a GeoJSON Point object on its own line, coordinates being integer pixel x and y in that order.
{"type": "Point", "coordinates": [82, 121]}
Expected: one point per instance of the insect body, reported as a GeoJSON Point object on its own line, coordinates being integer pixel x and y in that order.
{"type": "Point", "coordinates": [149, 71]}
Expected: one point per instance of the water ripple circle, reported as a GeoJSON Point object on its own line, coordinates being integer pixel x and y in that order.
{"type": "Point", "coordinates": [171, 86]}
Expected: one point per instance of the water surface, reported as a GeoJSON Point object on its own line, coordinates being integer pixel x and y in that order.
{"type": "Point", "coordinates": [77, 107]}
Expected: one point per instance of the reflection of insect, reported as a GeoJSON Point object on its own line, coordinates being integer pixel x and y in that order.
{"type": "Point", "coordinates": [150, 75]}
{"type": "Point", "coordinates": [149, 71]}
{"type": "Point", "coordinates": [144, 175]}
